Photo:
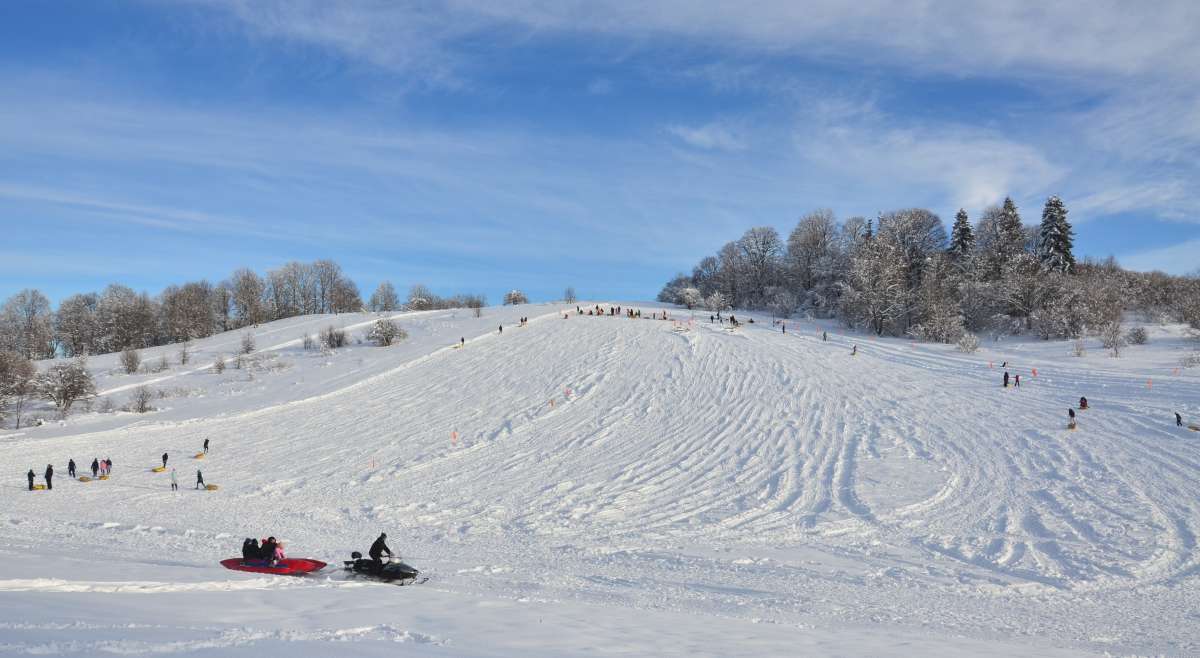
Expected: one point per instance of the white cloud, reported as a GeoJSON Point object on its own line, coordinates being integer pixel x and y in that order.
{"type": "Point", "coordinates": [714, 136]}
{"type": "Point", "coordinates": [1182, 258]}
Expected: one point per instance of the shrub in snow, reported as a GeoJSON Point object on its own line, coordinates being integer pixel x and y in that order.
{"type": "Point", "coordinates": [130, 360]}
{"type": "Point", "coordinates": [386, 332]}
{"type": "Point", "coordinates": [476, 304]}
{"type": "Point", "coordinates": [1137, 336]}
{"type": "Point", "coordinates": [1078, 348]}
{"type": "Point", "coordinates": [968, 343]}
{"type": "Point", "coordinates": [1112, 338]}
{"type": "Point", "coordinates": [310, 343]}
{"type": "Point", "coordinates": [515, 297]}
{"type": "Point", "coordinates": [139, 402]}
{"type": "Point", "coordinates": [65, 384]}
{"type": "Point", "coordinates": [247, 343]}
{"type": "Point", "coordinates": [219, 364]}
{"type": "Point", "coordinates": [106, 406]}
{"type": "Point", "coordinates": [333, 338]}
{"type": "Point", "coordinates": [163, 366]}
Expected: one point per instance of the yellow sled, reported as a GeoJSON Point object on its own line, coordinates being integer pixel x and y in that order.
{"type": "Point", "coordinates": [211, 487]}
{"type": "Point", "coordinates": [84, 478]}
{"type": "Point", "coordinates": [39, 487]}
{"type": "Point", "coordinates": [1194, 428]}
{"type": "Point", "coordinates": [103, 477]}
{"type": "Point", "coordinates": [159, 469]}
{"type": "Point", "coordinates": [199, 455]}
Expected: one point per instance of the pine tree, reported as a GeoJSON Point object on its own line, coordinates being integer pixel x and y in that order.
{"type": "Point", "coordinates": [962, 238]}
{"type": "Point", "coordinates": [1055, 240]}
{"type": "Point", "coordinates": [1012, 234]}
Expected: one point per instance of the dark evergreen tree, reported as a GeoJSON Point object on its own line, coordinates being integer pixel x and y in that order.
{"type": "Point", "coordinates": [1012, 233]}
{"type": "Point", "coordinates": [962, 238]}
{"type": "Point", "coordinates": [1056, 239]}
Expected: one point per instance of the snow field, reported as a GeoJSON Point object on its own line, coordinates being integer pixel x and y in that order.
{"type": "Point", "coordinates": [750, 480]}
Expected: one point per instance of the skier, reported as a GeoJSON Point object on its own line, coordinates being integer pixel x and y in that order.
{"type": "Point", "coordinates": [30, 475]}
{"type": "Point", "coordinates": [95, 467]}
{"type": "Point", "coordinates": [174, 481]}
{"type": "Point", "coordinates": [199, 479]}
{"type": "Point", "coordinates": [49, 475]}
{"type": "Point", "coordinates": [1005, 379]}
{"type": "Point", "coordinates": [206, 446]}
{"type": "Point", "coordinates": [71, 467]}
{"type": "Point", "coordinates": [1178, 420]}
{"type": "Point", "coordinates": [1083, 403]}
{"type": "Point", "coordinates": [379, 548]}
{"type": "Point", "coordinates": [164, 460]}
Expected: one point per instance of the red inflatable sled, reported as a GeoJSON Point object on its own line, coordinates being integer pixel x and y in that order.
{"type": "Point", "coordinates": [285, 567]}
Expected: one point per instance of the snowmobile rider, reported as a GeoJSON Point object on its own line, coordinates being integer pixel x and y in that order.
{"type": "Point", "coordinates": [379, 548]}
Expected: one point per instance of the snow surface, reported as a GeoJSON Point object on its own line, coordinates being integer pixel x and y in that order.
{"type": "Point", "coordinates": [602, 486]}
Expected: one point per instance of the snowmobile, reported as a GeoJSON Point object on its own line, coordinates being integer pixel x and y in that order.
{"type": "Point", "coordinates": [391, 570]}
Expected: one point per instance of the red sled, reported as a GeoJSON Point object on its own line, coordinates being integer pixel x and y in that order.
{"type": "Point", "coordinates": [285, 567]}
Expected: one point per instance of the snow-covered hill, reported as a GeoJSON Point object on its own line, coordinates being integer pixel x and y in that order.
{"type": "Point", "coordinates": [607, 485]}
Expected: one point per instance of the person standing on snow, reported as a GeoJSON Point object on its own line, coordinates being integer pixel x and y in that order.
{"type": "Point", "coordinates": [379, 548]}
{"type": "Point", "coordinates": [1005, 379]}
{"type": "Point", "coordinates": [824, 336]}
{"type": "Point", "coordinates": [71, 467]}
{"type": "Point", "coordinates": [49, 476]}
{"type": "Point", "coordinates": [1071, 417]}
{"type": "Point", "coordinates": [174, 481]}
{"type": "Point", "coordinates": [95, 467]}
{"type": "Point", "coordinates": [1178, 420]}
{"type": "Point", "coordinates": [206, 446]}
{"type": "Point", "coordinates": [1017, 382]}
{"type": "Point", "coordinates": [164, 460]}
{"type": "Point", "coordinates": [30, 475]}
{"type": "Point", "coordinates": [199, 479]}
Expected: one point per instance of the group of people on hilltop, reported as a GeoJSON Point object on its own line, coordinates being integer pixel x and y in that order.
{"type": "Point", "coordinates": [103, 467]}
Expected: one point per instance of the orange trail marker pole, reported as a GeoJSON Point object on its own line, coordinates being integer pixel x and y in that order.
{"type": "Point", "coordinates": [1035, 372]}
{"type": "Point", "coordinates": [454, 438]}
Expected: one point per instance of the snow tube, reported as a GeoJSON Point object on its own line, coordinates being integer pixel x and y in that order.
{"type": "Point", "coordinates": [159, 469]}
{"type": "Point", "coordinates": [39, 487]}
{"type": "Point", "coordinates": [287, 567]}
{"type": "Point", "coordinates": [211, 487]}
{"type": "Point", "coordinates": [199, 455]}
{"type": "Point", "coordinates": [84, 478]}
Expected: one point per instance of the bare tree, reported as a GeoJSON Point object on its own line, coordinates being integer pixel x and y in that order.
{"type": "Point", "coordinates": [139, 402]}
{"type": "Point", "coordinates": [17, 383]}
{"type": "Point", "coordinates": [1113, 338]}
{"type": "Point", "coordinates": [569, 295]}
{"type": "Point", "coordinates": [248, 301]}
{"type": "Point", "coordinates": [420, 298]}
{"type": "Point", "coordinates": [130, 360]}
{"type": "Point", "coordinates": [476, 304]}
{"type": "Point", "coordinates": [333, 338]}
{"type": "Point", "coordinates": [27, 325]}
{"type": "Point", "coordinates": [384, 299]}
{"type": "Point", "coordinates": [247, 343]}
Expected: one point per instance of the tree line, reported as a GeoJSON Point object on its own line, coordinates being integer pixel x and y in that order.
{"type": "Point", "coordinates": [119, 318]}
{"type": "Point", "coordinates": [902, 274]}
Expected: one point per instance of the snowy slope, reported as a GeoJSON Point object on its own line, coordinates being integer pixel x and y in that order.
{"type": "Point", "coordinates": [606, 485]}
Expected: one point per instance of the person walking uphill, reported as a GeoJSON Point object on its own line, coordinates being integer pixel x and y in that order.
{"type": "Point", "coordinates": [49, 476]}
{"type": "Point", "coordinates": [199, 479]}
{"type": "Point", "coordinates": [164, 460]}
{"type": "Point", "coordinates": [30, 475]}
{"type": "Point", "coordinates": [71, 467]}
{"type": "Point", "coordinates": [95, 467]}
{"type": "Point", "coordinates": [1178, 420]}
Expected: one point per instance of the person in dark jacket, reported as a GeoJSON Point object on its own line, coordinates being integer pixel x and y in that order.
{"type": "Point", "coordinates": [1071, 418]}
{"type": "Point", "coordinates": [266, 552]}
{"type": "Point", "coordinates": [1178, 420]}
{"type": "Point", "coordinates": [30, 475]}
{"type": "Point", "coordinates": [379, 548]}
{"type": "Point", "coordinates": [95, 467]}
{"type": "Point", "coordinates": [49, 476]}
{"type": "Point", "coordinates": [206, 446]}
{"type": "Point", "coordinates": [1005, 379]}
{"type": "Point", "coordinates": [164, 460]}
{"type": "Point", "coordinates": [199, 479]}
{"type": "Point", "coordinates": [1083, 403]}
{"type": "Point", "coordinates": [71, 467]}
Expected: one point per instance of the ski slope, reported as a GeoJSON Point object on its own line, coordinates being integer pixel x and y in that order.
{"type": "Point", "coordinates": [598, 485]}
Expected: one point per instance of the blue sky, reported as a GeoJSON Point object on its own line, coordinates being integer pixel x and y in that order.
{"type": "Point", "coordinates": [540, 144]}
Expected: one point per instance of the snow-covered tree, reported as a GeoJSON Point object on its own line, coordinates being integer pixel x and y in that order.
{"type": "Point", "coordinates": [249, 304]}
{"type": "Point", "coordinates": [513, 297]}
{"type": "Point", "coordinates": [716, 302]}
{"type": "Point", "coordinates": [420, 297]}
{"type": "Point", "coordinates": [384, 299]}
{"type": "Point", "coordinates": [65, 384]}
{"type": "Point", "coordinates": [27, 325]}
{"type": "Point", "coordinates": [385, 332]}
{"type": "Point", "coordinates": [77, 325]}
{"type": "Point", "coordinates": [691, 297]}
{"type": "Point", "coordinates": [17, 384]}
{"type": "Point", "coordinates": [130, 360]}
{"type": "Point", "coordinates": [1055, 238]}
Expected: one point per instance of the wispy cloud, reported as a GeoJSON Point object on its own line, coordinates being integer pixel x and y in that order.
{"type": "Point", "coordinates": [1176, 259]}
{"type": "Point", "coordinates": [711, 136]}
